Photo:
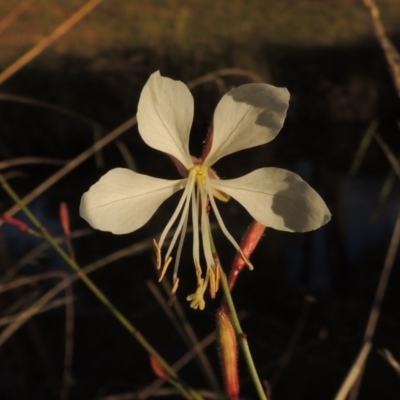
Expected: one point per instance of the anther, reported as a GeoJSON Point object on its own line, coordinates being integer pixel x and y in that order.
{"type": "Point", "coordinates": [165, 267]}
{"type": "Point", "coordinates": [213, 284]}
{"type": "Point", "coordinates": [246, 261]}
{"type": "Point", "coordinates": [198, 270]}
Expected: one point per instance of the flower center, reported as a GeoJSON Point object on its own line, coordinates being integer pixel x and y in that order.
{"type": "Point", "coordinates": [200, 174]}
{"type": "Point", "coordinates": [196, 203]}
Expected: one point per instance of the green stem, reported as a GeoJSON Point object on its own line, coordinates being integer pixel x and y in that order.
{"type": "Point", "coordinates": [174, 378]}
{"type": "Point", "coordinates": [244, 345]}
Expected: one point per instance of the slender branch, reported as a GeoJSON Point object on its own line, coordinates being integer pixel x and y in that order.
{"type": "Point", "coordinates": [14, 162]}
{"type": "Point", "coordinates": [73, 164]}
{"type": "Point", "coordinates": [174, 378]}
{"type": "Point", "coordinates": [244, 345]}
{"type": "Point", "coordinates": [388, 356]}
{"type": "Point", "coordinates": [363, 147]}
{"type": "Point", "coordinates": [69, 342]}
{"type": "Point", "coordinates": [53, 108]}
{"type": "Point", "coordinates": [178, 365]}
{"type": "Point", "coordinates": [50, 306]}
{"type": "Point", "coordinates": [186, 331]}
{"type": "Point", "coordinates": [355, 372]}
{"type": "Point", "coordinates": [48, 40]}
{"type": "Point", "coordinates": [389, 154]}
{"type": "Point", "coordinates": [391, 53]}
{"type": "Point", "coordinates": [357, 368]}
{"type": "Point", "coordinates": [14, 15]}
{"type": "Point", "coordinates": [383, 281]}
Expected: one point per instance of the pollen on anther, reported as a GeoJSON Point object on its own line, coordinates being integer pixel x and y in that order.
{"type": "Point", "coordinates": [213, 284]}
{"type": "Point", "coordinates": [198, 270]}
{"type": "Point", "coordinates": [165, 267]}
{"type": "Point", "coordinates": [246, 260]}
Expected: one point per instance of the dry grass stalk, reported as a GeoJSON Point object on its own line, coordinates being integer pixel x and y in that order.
{"type": "Point", "coordinates": [391, 53]}
{"type": "Point", "coordinates": [9, 19]}
{"type": "Point", "coordinates": [47, 41]}
{"type": "Point", "coordinates": [356, 370]}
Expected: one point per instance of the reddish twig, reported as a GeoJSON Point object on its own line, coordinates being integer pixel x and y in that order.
{"type": "Point", "coordinates": [249, 243]}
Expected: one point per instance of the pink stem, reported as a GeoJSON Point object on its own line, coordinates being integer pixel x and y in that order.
{"type": "Point", "coordinates": [249, 243]}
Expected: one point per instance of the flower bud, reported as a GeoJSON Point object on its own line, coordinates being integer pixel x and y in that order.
{"type": "Point", "coordinates": [228, 353]}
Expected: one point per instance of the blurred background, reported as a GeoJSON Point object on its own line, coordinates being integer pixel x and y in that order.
{"type": "Point", "coordinates": [306, 305]}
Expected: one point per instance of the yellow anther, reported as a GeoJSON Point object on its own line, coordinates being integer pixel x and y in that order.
{"type": "Point", "coordinates": [196, 299]}
{"type": "Point", "coordinates": [197, 267]}
{"type": "Point", "coordinates": [165, 267]}
{"type": "Point", "coordinates": [218, 270]}
{"type": "Point", "coordinates": [213, 284]}
{"type": "Point", "coordinates": [246, 260]}
{"type": "Point", "coordinates": [220, 195]}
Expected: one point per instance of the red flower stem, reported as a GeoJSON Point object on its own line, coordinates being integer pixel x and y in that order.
{"type": "Point", "coordinates": [64, 218]}
{"type": "Point", "coordinates": [65, 223]}
{"type": "Point", "coordinates": [248, 245]}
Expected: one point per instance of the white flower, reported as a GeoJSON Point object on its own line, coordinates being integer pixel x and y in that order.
{"type": "Point", "coordinates": [122, 201]}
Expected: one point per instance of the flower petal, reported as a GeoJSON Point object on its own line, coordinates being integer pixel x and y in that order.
{"type": "Point", "coordinates": [277, 198]}
{"type": "Point", "coordinates": [247, 116]}
{"type": "Point", "coordinates": [165, 116]}
{"type": "Point", "coordinates": [123, 201]}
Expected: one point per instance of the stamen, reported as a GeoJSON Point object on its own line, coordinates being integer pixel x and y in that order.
{"type": "Point", "coordinates": [248, 263]}
{"type": "Point", "coordinates": [195, 223]}
{"type": "Point", "coordinates": [188, 186]}
{"type": "Point", "coordinates": [223, 227]}
{"type": "Point", "coordinates": [182, 219]}
{"type": "Point", "coordinates": [213, 284]}
{"type": "Point", "coordinates": [196, 299]}
{"type": "Point", "coordinates": [165, 267]}
{"type": "Point", "coordinates": [180, 246]}
{"type": "Point", "coordinates": [205, 233]}
{"type": "Point", "coordinates": [218, 270]}
{"type": "Point", "coordinates": [199, 272]}
{"type": "Point", "coordinates": [221, 195]}
{"type": "Point", "coordinates": [206, 281]}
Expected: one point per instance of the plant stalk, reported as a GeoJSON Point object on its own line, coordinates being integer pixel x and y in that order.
{"type": "Point", "coordinates": [244, 345]}
{"type": "Point", "coordinates": [173, 376]}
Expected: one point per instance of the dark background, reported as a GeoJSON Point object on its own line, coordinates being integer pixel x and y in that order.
{"type": "Point", "coordinates": [308, 299]}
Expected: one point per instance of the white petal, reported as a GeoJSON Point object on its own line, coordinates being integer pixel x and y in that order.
{"type": "Point", "coordinates": [123, 201]}
{"type": "Point", "coordinates": [277, 198]}
{"type": "Point", "coordinates": [247, 116]}
{"type": "Point", "coordinates": [165, 116]}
